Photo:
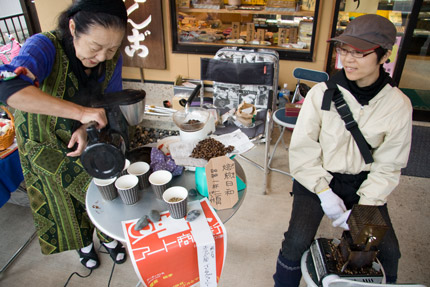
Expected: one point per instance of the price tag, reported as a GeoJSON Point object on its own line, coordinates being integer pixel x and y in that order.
{"type": "Point", "coordinates": [235, 30]}
{"type": "Point", "coordinates": [260, 34]}
{"type": "Point", "coordinates": [250, 32]}
{"type": "Point", "coordinates": [184, 3]}
{"type": "Point", "coordinates": [282, 36]}
{"type": "Point", "coordinates": [221, 180]}
{"type": "Point", "coordinates": [293, 35]}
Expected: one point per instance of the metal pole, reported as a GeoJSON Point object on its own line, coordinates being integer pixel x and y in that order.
{"type": "Point", "coordinates": [18, 252]}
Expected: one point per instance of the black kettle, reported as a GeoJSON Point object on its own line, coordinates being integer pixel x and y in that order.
{"type": "Point", "coordinates": [104, 156]}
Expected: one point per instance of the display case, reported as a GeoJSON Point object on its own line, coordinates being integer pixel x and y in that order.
{"type": "Point", "coordinates": [205, 26]}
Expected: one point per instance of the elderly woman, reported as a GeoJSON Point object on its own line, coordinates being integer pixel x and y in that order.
{"type": "Point", "coordinates": [57, 74]}
{"type": "Point", "coordinates": [333, 169]}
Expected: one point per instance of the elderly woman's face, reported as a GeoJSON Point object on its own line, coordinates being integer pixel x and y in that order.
{"type": "Point", "coordinates": [96, 46]}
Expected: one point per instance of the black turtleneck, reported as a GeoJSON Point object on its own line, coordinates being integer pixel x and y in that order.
{"type": "Point", "coordinates": [364, 94]}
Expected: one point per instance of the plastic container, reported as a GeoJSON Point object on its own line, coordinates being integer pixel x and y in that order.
{"type": "Point", "coordinates": [283, 96]}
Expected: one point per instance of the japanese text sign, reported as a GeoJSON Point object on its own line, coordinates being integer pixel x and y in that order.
{"type": "Point", "coordinates": [250, 32]}
{"type": "Point", "coordinates": [221, 180]}
{"type": "Point", "coordinates": [144, 42]}
{"type": "Point", "coordinates": [235, 30]}
{"type": "Point", "coordinates": [178, 253]}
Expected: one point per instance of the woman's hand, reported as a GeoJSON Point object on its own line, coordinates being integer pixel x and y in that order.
{"type": "Point", "coordinates": [97, 115]}
{"type": "Point", "coordinates": [78, 137]}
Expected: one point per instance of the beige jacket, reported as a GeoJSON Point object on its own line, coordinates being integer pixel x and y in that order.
{"type": "Point", "coordinates": [321, 143]}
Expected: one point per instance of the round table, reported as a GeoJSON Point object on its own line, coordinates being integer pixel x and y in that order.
{"type": "Point", "coordinates": [108, 215]}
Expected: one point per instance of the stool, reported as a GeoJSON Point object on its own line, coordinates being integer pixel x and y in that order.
{"type": "Point", "coordinates": [284, 122]}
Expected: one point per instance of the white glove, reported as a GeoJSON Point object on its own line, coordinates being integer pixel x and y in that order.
{"type": "Point", "coordinates": [341, 221]}
{"type": "Point", "coordinates": [331, 204]}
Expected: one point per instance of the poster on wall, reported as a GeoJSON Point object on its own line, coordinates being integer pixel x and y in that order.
{"type": "Point", "coordinates": [361, 6]}
{"type": "Point", "coordinates": [144, 42]}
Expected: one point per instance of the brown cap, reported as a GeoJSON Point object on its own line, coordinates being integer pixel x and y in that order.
{"type": "Point", "coordinates": [368, 32]}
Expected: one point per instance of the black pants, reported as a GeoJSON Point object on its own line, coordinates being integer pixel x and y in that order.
{"type": "Point", "coordinates": [307, 214]}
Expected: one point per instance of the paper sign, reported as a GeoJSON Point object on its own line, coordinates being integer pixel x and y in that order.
{"type": "Point", "coordinates": [235, 30]}
{"type": "Point", "coordinates": [361, 6]}
{"type": "Point", "coordinates": [205, 251]}
{"type": "Point", "coordinates": [260, 34]}
{"type": "Point", "coordinates": [250, 32]}
{"type": "Point", "coordinates": [292, 37]}
{"type": "Point", "coordinates": [389, 67]}
{"type": "Point", "coordinates": [222, 185]}
{"type": "Point", "coordinates": [165, 252]}
{"type": "Point", "coordinates": [282, 36]}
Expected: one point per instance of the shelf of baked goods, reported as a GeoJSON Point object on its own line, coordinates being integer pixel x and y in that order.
{"type": "Point", "coordinates": [246, 12]}
{"type": "Point", "coordinates": [263, 44]}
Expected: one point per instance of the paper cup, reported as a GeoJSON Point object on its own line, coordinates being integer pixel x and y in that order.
{"type": "Point", "coordinates": [128, 186]}
{"type": "Point", "coordinates": [141, 170]}
{"type": "Point", "coordinates": [176, 198]}
{"type": "Point", "coordinates": [107, 188]}
{"type": "Point", "coordinates": [126, 165]}
{"type": "Point", "coordinates": [160, 181]}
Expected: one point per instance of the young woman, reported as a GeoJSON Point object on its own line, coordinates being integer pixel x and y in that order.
{"type": "Point", "coordinates": [73, 64]}
{"type": "Point", "coordinates": [330, 173]}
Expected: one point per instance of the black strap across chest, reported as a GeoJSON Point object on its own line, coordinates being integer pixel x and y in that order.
{"type": "Point", "coordinates": [333, 94]}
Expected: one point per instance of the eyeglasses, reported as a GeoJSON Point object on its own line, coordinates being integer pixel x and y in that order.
{"type": "Point", "coordinates": [354, 53]}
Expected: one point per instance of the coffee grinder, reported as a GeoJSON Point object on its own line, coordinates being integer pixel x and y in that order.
{"type": "Point", "coordinates": [354, 256]}
{"type": "Point", "coordinates": [104, 156]}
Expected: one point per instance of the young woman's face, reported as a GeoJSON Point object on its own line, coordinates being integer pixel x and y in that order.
{"type": "Point", "coordinates": [364, 71]}
{"type": "Point", "coordinates": [96, 46]}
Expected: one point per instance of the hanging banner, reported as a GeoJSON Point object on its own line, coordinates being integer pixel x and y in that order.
{"type": "Point", "coordinates": [143, 45]}
{"type": "Point", "coordinates": [175, 252]}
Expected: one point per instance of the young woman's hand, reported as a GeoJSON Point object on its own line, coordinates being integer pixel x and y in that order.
{"type": "Point", "coordinates": [79, 137]}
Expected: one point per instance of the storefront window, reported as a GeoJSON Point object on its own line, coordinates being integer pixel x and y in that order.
{"type": "Point", "coordinates": [409, 63]}
{"type": "Point", "coordinates": [204, 27]}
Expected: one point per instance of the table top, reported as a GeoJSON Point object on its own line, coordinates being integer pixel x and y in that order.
{"type": "Point", "coordinates": [108, 215]}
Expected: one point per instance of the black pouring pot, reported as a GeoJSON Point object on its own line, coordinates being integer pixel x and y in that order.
{"type": "Point", "coordinates": [104, 156]}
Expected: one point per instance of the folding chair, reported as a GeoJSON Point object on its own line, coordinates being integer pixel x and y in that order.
{"type": "Point", "coordinates": [238, 76]}
{"type": "Point", "coordinates": [286, 117]}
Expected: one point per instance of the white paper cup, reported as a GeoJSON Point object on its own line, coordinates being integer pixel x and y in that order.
{"type": "Point", "coordinates": [176, 198]}
{"type": "Point", "coordinates": [126, 165]}
{"type": "Point", "coordinates": [141, 170]}
{"type": "Point", "coordinates": [127, 186]}
{"type": "Point", "coordinates": [107, 188]}
{"type": "Point", "coordinates": [160, 180]}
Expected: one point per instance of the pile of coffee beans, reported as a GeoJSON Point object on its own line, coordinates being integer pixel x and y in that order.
{"type": "Point", "coordinates": [210, 148]}
{"type": "Point", "coordinates": [141, 136]}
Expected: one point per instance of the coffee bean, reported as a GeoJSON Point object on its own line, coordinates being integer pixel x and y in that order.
{"type": "Point", "coordinates": [210, 148]}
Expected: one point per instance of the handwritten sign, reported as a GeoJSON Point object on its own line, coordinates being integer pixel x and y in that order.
{"type": "Point", "coordinates": [144, 43]}
{"type": "Point", "coordinates": [282, 36]}
{"type": "Point", "coordinates": [308, 5]}
{"type": "Point", "coordinates": [206, 254]}
{"type": "Point", "coordinates": [222, 185]}
{"type": "Point", "coordinates": [235, 30]}
{"type": "Point", "coordinates": [362, 6]}
{"type": "Point", "coordinates": [292, 38]}
{"type": "Point", "coordinates": [250, 32]}
{"type": "Point", "coordinates": [260, 34]}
